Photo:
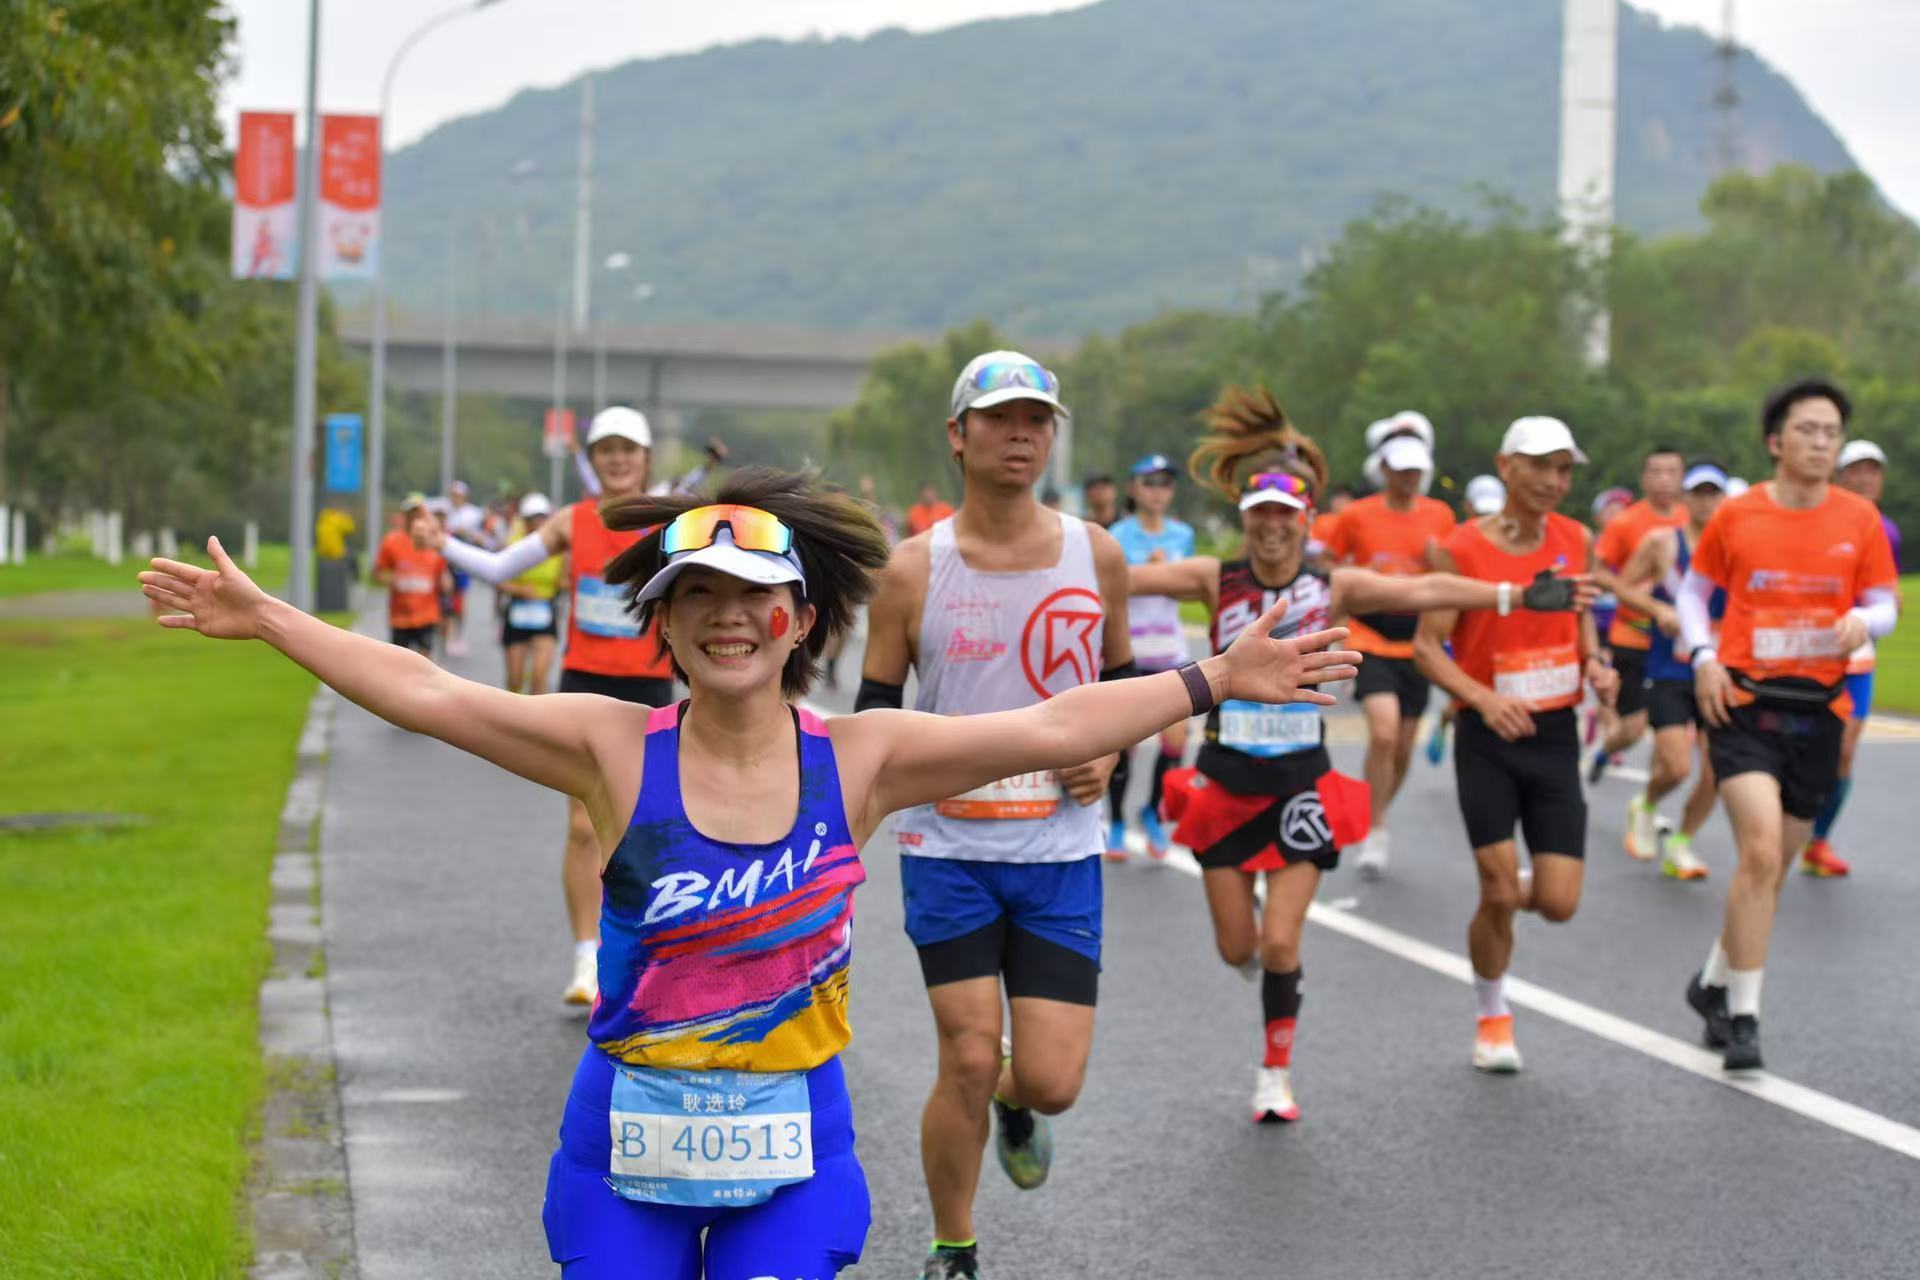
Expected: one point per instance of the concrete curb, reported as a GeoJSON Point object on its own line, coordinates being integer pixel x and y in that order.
{"type": "Point", "coordinates": [302, 1215]}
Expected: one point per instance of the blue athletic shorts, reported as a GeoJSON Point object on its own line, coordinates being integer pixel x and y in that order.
{"type": "Point", "coordinates": [1059, 901]}
{"type": "Point", "coordinates": [1860, 689]}
{"type": "Point", "coordinates": [810, 1229]}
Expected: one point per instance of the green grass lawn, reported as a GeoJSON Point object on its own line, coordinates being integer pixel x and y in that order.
{"type": "Point", "coordinates": [73, 572]}
{"type": "Point", "coordinates": [130, 959]}
{"type": "Point", "coordinates": [1896, 687]}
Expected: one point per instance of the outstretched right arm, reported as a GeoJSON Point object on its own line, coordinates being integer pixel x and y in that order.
{"type": "Point", "coordinates": [1194, 578]}
{"type": "Point", "coordinates": [503, 566]}
{"type": "Point", "coordinates": [546, 740]}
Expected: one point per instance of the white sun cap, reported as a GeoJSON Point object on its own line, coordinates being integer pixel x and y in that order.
{"type": "Point", "coordinates": [535, 504]}
{"type": "Point", "coordinates": [1703, 474]}
{"type": "Point", "coordinates": [1538, 436]}
{"type": "Point", "coordinates": [1405, 453]}
{"type": "Point", "coordinates": [1736, 486]}
{"type": "Point", "coordinates": [1406, 422]}
{"type": "Point", "coordinates": [1486, 495]}
{"type": "Point", "coordinates": [619, 420]}
{"type": "Point", "coordinates": [762, 567]}
{"type": "Point", "coordinates": [995, 377]}
{"type": "Point", "coordinates": [1860, 451]}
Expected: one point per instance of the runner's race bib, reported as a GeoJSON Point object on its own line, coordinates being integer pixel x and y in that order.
{"type": "Point", "coordinates": [1159, 648]}
{"type": "Point", "coordinates": [1545, 679]}
{"type": "Point", "coordinates": [1788, 635]}
{"type": "Point", "coordinates": [530, 615]}
{"type": "Point", "coordinates": [1258, 729]}
{"type": "Point", "coordinates": [414, 584]}
{"type": "Point", "coordinates": [1025, 795]}
{"type": "Point", "coordinates": [708, 1137]}
{"type": "Point", "coordinates": [601, 610]}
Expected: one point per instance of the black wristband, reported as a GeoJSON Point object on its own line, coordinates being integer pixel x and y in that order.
{"type": "Point", "coordinates": [1199, 689]}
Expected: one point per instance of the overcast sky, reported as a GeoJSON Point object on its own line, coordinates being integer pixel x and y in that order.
{"type": "Point", "coordinates": [1853, 59]}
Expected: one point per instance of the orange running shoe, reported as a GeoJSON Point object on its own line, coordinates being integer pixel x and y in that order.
{"type": "Point", "coordinates": [1493, 1047]}
{"type": "Point", "coordinates": [1819, 859]}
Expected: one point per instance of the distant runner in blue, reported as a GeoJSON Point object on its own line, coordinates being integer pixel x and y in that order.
{"type": "Point", "coordinates": [1148, 535]}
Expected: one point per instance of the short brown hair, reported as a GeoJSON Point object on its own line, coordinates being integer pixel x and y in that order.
{"type": "Point", "coordinates": [839, 544]}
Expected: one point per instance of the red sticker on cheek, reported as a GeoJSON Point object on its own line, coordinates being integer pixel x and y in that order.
{"type": "Point", "coordinates": [777, 624]}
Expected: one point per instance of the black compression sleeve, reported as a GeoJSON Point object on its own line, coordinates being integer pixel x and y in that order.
{"type": "Point", "coordinates": [874, 693]}
{"type": "Point", "coordinates": [1125, 671]}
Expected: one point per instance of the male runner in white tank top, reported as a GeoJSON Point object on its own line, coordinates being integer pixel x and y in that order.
{"type": "Point", "coordinates": [999, 606]}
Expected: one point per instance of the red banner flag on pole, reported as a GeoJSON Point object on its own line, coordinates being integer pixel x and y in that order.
{"type": "Point", "coordinates": [263, 189]}
{"type": "Point", "coordinates": [349, 196]}
{"type": "Point", "coordinates": [557, 433]}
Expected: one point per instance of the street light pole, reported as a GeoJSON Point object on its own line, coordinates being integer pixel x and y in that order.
{"type": "Point", "coordinates": [448, 386]}
{"type": "Point", "coordinates": [377, 390]}
{"type": "Point", "coordinates": [583, 211]}
{"type": "Point", "coordinates": [300, 535]}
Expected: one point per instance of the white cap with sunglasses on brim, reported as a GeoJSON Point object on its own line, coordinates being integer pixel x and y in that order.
{"type": "Point", "coordinates": [765, 568]}
{"type": "Point", "coordinates": [619, 420]}
{"type": "Point", "coordinates": [1703, 475]}
{"type": "Point", "coordinates": [1859, 451]}
{"type": "Point", "coordinates": [1538, 436]}
{"type": "Point", "coordinates": [999, 376]}
{"type": "Point", "coordinates": [1280, 487]}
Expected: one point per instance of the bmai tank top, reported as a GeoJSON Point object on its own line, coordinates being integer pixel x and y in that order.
{"type": "Point", "coordinates": [999, 641]}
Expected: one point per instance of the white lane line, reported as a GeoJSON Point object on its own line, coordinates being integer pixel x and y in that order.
{"type": "Point", "coordinates": [1811, 1104]}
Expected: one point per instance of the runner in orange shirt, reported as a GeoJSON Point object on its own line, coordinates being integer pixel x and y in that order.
{"type": "Point", "coordinates": [928, 512]}
{"type": "Point", "coordinates": [1517, 680]}
{"type": "Point", "coordinates": [1809, 578]}
{"type": "Point", "coordinates": [415, 576]}
{"type": "Point", "coordinates": [1393, 533]}
{"type": "Point", "coordinates": [1630, 633]}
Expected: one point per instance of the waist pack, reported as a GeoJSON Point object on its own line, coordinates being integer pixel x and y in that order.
{"type": "Point", "coordinates": [1788, 693]}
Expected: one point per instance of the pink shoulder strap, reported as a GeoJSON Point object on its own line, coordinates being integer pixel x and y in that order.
{"type": "Point", "coordinates": [666, 717]}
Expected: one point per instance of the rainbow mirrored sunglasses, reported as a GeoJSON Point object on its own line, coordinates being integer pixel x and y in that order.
{"type": "Point", "coordinates": [1281, 487]}
{"type": "Point", "coordinates": [1002, 374]}
{"type": "Point", "coordinates": [752, 530]}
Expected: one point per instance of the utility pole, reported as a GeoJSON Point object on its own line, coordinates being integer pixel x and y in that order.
{"type": "Point", "coordinates": [300, 508]}
{"type": "Point", "coordinates": [449, 387]}
{"type": "Point", "coordinates": [1589, 86]}
{"type": "Point", "coordinates": [1726, 98]}
{"type": "Point", "coordinates": [583, 211]}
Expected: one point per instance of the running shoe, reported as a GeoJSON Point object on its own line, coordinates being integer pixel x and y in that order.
{"type": "Point", "coordinates": [1373, 855]}
{"type": "Point", "coordinates": [1273, 1097]}
{"type": "Point", "coordinates": [1493, 1047]}
{"type": "Point", "coordinates": [1598, 769]}
{"type": "Point", "coordinates": [1116, 842]}
{"type": "Point", "coordinates": [1711, 1004]}
{"type": "Point", "coordinates": [1643, 831]}
{"type": "Point", "coordinates": [1679, 860]}
{"type": "Point", "coordinates": [1437, 741]}
{"type": "Point", "coordinates": [951, 1262]}
{"type": "Point", "coordinates": [1024, 1142]}
{"type": "Point", "coordinates": [585, 987]}
{"type": "Point", "coordinates": [1743, 1043]}
{"type": "Point", "coordinates": [1157, 839]}
{"type": "Point", "coordinates": [1819, 859]}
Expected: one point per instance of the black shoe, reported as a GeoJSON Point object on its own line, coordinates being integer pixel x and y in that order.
{"type": "Point", "coordinates": [1598, 769]}
{"type": "Point", "coordinates": [1711, 1004]}
{"type": "Point", "coordinates": [945, 1262]}
{"type": "Point", "coordinates": [1743, 1043]}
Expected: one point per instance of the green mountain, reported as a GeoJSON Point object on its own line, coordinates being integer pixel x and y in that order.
{"type": "Point", "coordinates": [1057, 174]}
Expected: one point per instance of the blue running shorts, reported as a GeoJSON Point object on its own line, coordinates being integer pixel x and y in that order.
{"type": "Point", "coordinates": [1860, 689]}
{"type": "Point", "coordinates": [1057, 901]}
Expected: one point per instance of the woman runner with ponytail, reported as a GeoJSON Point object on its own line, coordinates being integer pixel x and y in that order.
{"type": "Point", "coordinates": [708, 1130]}
{"type": "Point", "coordinates": [1263, 798]}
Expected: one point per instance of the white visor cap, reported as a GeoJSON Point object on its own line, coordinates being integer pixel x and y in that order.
{"type": "Point", "coordinates": [1406, 422]}
{"type": "Point", "coordinates": [1860, 451]}
{"type": "Point", "coordinates": [1538, 436]}
{"type": "Point", "coordinates": [764, 568]}
{"type": "Point", "coordinates": [618, 420]}
{"type": "Point", "coordinates": [1486, 495]}
{"type": "Point", "coordinates": [1404, 453]}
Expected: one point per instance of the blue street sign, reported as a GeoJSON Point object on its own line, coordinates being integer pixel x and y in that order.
{"type": "Point", "coordinates": [343, 453]}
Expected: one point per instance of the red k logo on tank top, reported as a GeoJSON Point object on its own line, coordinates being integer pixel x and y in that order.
{"type": "Point", "coordinates": [1061, 643]}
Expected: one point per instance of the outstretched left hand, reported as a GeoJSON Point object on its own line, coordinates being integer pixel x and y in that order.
{"type": "Point", "coordinates": [1263, 669]}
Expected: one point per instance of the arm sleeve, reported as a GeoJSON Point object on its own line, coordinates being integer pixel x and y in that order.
{"type": "Point", "coordinates": [1879, 608]}
{"type": "Point", "coordinates": [496, 566]}
{"type": "Point", "coordinates": [589, 482]}
{"type": "Point", "coordinates": [1696, 624]}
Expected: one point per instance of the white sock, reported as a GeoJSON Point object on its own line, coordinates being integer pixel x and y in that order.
{"type": "Point", "coordinates": [1715, 973]}
{"type": "Point", "coordinates": [588, 950]}
{"type": "Point", "coordinates": [1743, 992]}
{"type": "Point", "coordinates": [1491, 993]}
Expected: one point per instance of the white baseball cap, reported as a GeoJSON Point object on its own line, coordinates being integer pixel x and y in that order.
{"type": "Point", "coordinates": [619, 420]}
{"type": "Point", "coordinates": [1538, 436]}
{"type": "Point", "coordinates": [995, 377]}
{"type": "Point", "coordinates": [1486, 495]}
{"type": "Point", "coordinates": [1406, 453]}
{"type": "Point", "coordinates": [1860, 451]}
{"type": "Point", "coordinates": [1706, 473]}
{"type": "Point", "coordinates": [1407, 421]}
{"type": "Point", "coordinates": [1736, 486]}
{"type": "Point", "coordinates": [535, 504]}
{"type": "Point", "coordinates": [762, 567]}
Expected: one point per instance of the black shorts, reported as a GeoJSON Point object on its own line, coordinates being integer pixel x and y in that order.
{"type": "Point", "coordinates": [1632, 666]}
{"type": "Point", "coordinates": [1027, 964]}
{"type": "Point", "coordinates": [1397, 676]}
{"type": "Point", "coordinates": [1534, 782]}
{"type": "Point", "coordinates": [418, 639]}
{"type": "Point", "coordinates": [1799, 749]}
{"type": "Point", "coordinates": [511, 635]}
{"type": "Point", "coordinates": [648, 691]}
{"type": "Point", "coordinates": [1670, 703]}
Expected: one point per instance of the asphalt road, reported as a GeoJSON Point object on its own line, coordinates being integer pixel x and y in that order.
{"type": "Point", "coordinates": [447, 949]}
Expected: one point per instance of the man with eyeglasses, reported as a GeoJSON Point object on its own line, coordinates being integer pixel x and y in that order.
{"type": "Point", "coordinates": [999, 606]}
{"type": "Point", "coordinates": [1809, 578]}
